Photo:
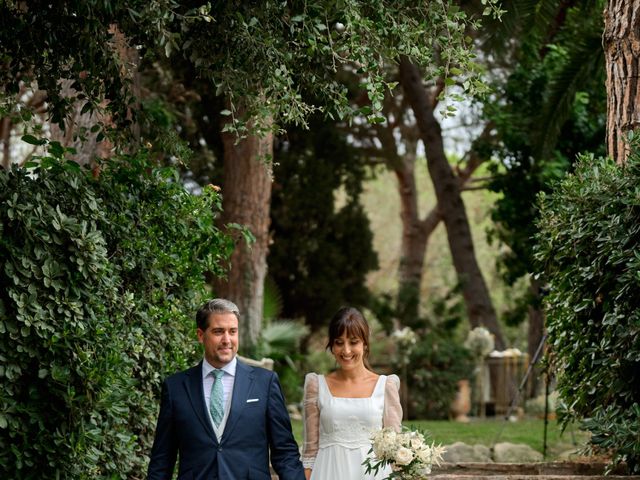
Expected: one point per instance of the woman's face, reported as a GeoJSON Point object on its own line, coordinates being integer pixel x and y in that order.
{"type": "Point", "coordinates": [348, 351]}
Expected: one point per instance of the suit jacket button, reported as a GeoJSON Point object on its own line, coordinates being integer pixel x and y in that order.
{"type": "Point", "coordinates": [219, 449]}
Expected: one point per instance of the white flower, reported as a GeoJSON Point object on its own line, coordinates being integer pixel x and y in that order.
{"type": "Point", "coordinates": [407, 453]}
{"type": "Point", "coordinates": [416, 442]}
{"type": "Point", "coordinates": [480, 341]}
{"type": "Point", "coordinates": [384, 443]}
{"type": "Point", "coordinates": [389, 436]}
{"type": "Point", "coordinates": [424, 454]}
{"type": "Point", "coordinates": [430, 454]}
{"type": "Point", "coordinates": [405, 337]}
{"type": "Point", "coordinates": [403, 456]}
{"type": "Point", "coordinates": [378, 449]}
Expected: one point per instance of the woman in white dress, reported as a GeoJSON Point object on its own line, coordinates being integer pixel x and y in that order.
{"type": "Point", "coordinates": [342, 409]}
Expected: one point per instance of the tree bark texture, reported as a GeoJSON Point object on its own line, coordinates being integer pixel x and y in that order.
{"type": "Point", "coordinates": [447, 188]}
{"type": "Point", "coordinates": [621, 42]}
{"type": "Point", "coordinates": [246, 199]}
{"type": "Point", "coordinates": [415, 231]}
{"type": "Point", "coordinates": [415, 234]}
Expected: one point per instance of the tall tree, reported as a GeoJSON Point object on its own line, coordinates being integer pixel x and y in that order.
{"type": "Point", "coordinates": [322, 242]}
{"type": "Point", "coordinates": [395, 144]}
{"type": "Point", "coordinates": [271, 54]}
{"type": "Point", "coordinates": [260, 58]}
{"type": "Point", "coordinates": [246, 201]}
{"type": "Point", "coordinates": [447, 187]}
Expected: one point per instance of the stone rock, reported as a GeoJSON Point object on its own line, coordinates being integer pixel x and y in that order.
{"type": "Point", "coordinates": [515, 453]}
{"type": "Point", "coordinates": [460, 452]}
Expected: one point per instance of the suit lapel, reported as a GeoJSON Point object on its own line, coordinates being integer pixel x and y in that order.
{"type": "Point", "coordinates": [193, 384]}
{"type": "Point", "coordinates": [241, 386]}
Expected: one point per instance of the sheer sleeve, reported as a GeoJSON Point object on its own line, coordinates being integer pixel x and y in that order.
{"type": "Point", "coordinates": [392, 415]}
{"type": "Point", "coordinates": [311, 424]}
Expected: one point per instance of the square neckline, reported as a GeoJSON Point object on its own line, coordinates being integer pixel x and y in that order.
{"type": "Point", "coordinates": [375, 389]}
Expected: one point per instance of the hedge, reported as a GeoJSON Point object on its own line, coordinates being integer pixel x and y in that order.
{"type": "Point", "coordinates": [589, 249]}
{"type": "Point", "coordinates": [100, 278]}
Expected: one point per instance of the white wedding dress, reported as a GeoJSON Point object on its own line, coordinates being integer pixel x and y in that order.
{"type": "Point", "coordinates": [338, 430]}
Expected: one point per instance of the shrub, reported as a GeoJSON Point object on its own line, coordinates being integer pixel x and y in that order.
{"type": "Point", "coordinates": [433, 365]}
{"type": "Point", "coordinates": [436, 364]}
{"type": "Point", "coordinates": [588, 247]}
{"type": "Point", "coordinates": [100, 279]}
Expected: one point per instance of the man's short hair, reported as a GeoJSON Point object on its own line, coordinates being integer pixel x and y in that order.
{"type": "Point", "coordinates": [216, 305]}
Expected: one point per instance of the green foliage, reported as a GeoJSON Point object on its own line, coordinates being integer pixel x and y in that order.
{"type": "Point", "coordinates": [616, 429]}
{"type": "Point", "coordinates": [100, 280]}
{"type": "Point", "coordinates": [588, 247]}
{"type": "Point", "coordinates": [272, 303]}
{"type": "Point", "coordinates": [445, 312]}
{"type": "Point", "coordinates": [551, 106]}
{"type": "Point", "coordinates": [281, 338]}
{"type": "Point", "coordinates": [264, 57]}
{"type": "Point", "coordinates": [74, 40]}
{"type": "Point", "coordinates": [437, 361]}
{"type": "Point", "coordinates": [436, 364]}
{"type": "Point", "coordinates": [322, 250]}
{"type": "Point", "coordinates": [291, 52]}
{"type": "Point", "coordinates": [281, 341]}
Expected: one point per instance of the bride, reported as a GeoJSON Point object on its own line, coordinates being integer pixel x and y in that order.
{"type": "Point", "coordinates": [343, 408]}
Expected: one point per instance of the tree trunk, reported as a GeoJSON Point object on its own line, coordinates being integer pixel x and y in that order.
{"type": "Point", "coordinates": [536, 330]}
{"type": "Point", "coordinates": [415, 234]}
{"type": "Point", "coordinates": [447, 187]}
{"type": "Point", "coordinates": [246, 198]}
{"type": "Point", "coordinates": [415, 231]}
{"type": "Point", "coordinates": [621, 41]}
{"type": "Point", "coordinates": [5, 140]}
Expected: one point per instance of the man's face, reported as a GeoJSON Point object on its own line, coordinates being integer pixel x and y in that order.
{"type": "Point", "coordinates": [220, 339]}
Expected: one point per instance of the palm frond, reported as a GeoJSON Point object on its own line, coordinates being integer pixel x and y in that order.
{"type": "Point", "coordinates": [534, 22]}
{"type": "Point", "coordinates": [585, 61]}
{"type": "Point", "coordinates": [272, 299]}
{"type": "Point", "coordinates": [281, 338]}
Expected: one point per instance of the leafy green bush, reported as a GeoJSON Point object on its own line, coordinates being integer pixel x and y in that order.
{"type": "Point", "coordinates": [436, 364]}
{"type": "Point", "coordinates": [437, 360]}
{"type": "Point", "coordinates": [100, 279]}
{"type": "Point", "coordinates": [588, 246]}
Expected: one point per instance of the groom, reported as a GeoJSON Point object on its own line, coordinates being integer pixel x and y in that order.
{"type": "Point", "coordinates": [224, 419]}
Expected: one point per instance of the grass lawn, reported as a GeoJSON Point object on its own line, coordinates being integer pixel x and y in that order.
{"type": "Point", "coordinates": [487, 432]}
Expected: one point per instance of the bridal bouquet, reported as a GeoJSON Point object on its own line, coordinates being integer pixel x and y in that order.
{"type": "Point", "coordinates": [408, 453]}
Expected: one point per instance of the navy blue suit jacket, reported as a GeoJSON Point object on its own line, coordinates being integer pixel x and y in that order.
{"type": "Point", "coordinates": [252, 432]}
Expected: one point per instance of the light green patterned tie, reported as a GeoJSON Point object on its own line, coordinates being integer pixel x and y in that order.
{"type": "Point", "coordinates": [216, 402]}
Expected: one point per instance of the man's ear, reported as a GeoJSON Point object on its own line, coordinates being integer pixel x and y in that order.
{"type": "Point", "coordinates": [200, 334]}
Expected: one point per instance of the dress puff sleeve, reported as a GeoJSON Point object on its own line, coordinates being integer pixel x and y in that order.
{"type": "Point", "coordinates": [392, 415]}
{"type": "Point", "coordinates": [311, 424]}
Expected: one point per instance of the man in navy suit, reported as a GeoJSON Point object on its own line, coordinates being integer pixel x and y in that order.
{"type": "Point", "coordinates": [228, 431]}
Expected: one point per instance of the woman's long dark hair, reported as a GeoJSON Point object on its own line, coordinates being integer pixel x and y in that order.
{"type": "Point", "coordinates": [350, 320]}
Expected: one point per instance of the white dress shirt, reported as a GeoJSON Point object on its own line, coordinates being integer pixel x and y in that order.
{"type": "Point", "coordinates": [227, 390]}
